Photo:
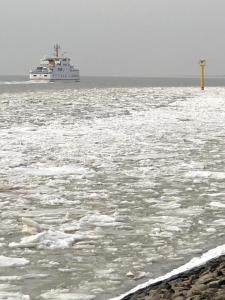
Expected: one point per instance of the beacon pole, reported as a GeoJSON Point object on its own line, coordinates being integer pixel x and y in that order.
{"type": "Point", "coordinates": [202, 71]}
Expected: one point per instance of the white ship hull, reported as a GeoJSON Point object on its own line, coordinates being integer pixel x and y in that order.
{"type": "Point", "coordinates": [50, 77]}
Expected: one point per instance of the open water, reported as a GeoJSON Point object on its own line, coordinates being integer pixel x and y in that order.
{"type": "Point", "coordinates": [107, 183]}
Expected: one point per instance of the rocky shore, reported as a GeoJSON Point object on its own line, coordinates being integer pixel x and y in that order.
{"type": "Point", "coordinates": [206, 282]}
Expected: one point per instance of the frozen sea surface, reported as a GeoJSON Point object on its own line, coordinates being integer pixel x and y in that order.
{"type": "Point", "coordinates": [98, 184]}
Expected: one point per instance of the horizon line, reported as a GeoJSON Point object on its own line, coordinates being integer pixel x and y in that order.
{"type": "Point", "coordinates": [137, 76]}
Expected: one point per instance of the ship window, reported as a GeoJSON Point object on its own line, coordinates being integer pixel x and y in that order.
{"type": "Point", "coordinates": [45, 75]}
{"type": "Point", "coordinates": [35, 75]}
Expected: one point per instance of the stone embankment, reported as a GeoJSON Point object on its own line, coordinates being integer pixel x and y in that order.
{"type": "Point", "coordinates": [206, 282]}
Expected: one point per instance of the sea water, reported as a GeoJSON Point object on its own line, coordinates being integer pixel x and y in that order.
{"type": "Point", "coordinates": [106, 183]}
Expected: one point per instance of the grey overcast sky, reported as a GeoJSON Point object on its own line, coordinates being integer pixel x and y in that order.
{"type": "Point", "coordinates": [115, 37]}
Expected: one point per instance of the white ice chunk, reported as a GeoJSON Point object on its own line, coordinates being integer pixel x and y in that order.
{"type": "Point", "coordinates": [13, 296]}
{"type": "Point", "coordinates": [217, 204]}
{"type": "Point", "coordinates": [220, 222]}
{"type": "Point", "coordinates": [99, 220]}
{"type": "Point", "coordinates": [53, 171]}
{"type": "Point", "coordinates": [30, 226]}
{"type": "Point", "coordinates": [12, 261]}
{"type": "Point", "coordinates": [48, 240]}
{"type": "Point", "coordinates": [22, 277]}
{"type": "Point", "coordinates": [10, 278]}
{"type": "Point", "coordinates": [7, 293]}
{"type": "Point", "coordinates": [65, 295]}
{"type": "Point", "coordinates": [205, 174]}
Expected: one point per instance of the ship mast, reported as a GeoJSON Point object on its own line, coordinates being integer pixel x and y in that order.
{"type": "Point", "coordinates": [56, 49]}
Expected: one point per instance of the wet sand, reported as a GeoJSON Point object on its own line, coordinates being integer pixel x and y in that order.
{"type": "Point", "coordinates": [206, 282]}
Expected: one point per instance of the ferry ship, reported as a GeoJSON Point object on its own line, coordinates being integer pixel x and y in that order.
{"type": "Point", "coordinates": [55, 67]}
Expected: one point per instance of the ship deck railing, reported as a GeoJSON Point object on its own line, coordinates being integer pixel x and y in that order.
{"type": "Point", "coordinates": [40, 72]}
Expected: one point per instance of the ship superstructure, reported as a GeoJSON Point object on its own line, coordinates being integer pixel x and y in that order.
{"type": "Point", "coordinates": [55, 67]}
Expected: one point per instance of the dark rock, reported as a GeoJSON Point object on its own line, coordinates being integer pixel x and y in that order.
{"type": "Point", "coordinates": [206, 278]}
{"type": "Point", "coordinates": [196, 290]}
{"type": "Point", "coordinates": [214, 284]}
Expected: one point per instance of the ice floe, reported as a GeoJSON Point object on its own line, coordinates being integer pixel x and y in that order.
{"type": "Point", "coordinates": [99, 220]}
{"type": "Point", "coordinates": [7, 293]}
{"type": "Point", "coordinates": [22, 277]}
{"type": "Point", "coordinates": [65, 295]}
{"type": "Point", "coordinates": [13, 261]}
{"type": "Point", "coordinates": [217, 204]}
{"type": "Point", "coordinates": [30, 226]}
{"type": "Point", "coordinates": [206, 174]}
{"type": "Point", "coordinates": [53, 171]}
{"type": "Point", "coordinates": [93, 221]}
{"type": "Point", "coordinates": [48, 240]}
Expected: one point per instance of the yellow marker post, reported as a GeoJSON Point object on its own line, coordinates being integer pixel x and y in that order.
{"type": "Point", "coordinates": [202, 66]}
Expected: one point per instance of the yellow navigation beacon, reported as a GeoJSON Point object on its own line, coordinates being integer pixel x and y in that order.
{"type": "Point", "coordinates": [202, 66]}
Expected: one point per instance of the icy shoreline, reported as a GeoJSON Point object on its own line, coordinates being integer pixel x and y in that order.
{"type": "Point", "coordinates": [193, 264]}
